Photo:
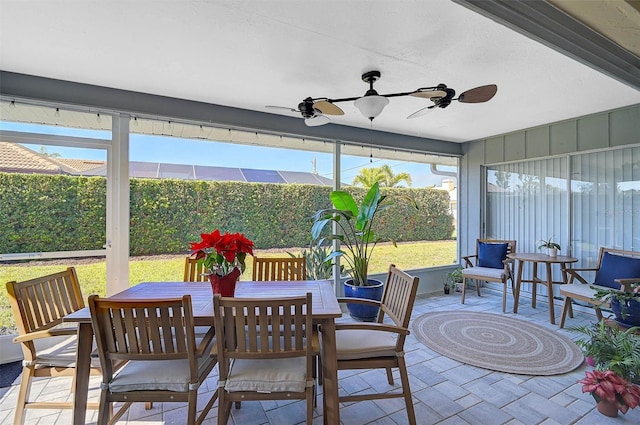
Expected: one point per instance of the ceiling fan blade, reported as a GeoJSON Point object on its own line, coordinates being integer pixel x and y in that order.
{"type": "Point", "coordinates": [316, 120]}
{"type": "Point", "coordinates": [327, 107]}
{"type": "Point", "coordinates": [421, 112]}
{"type": "Point", "coordinates": [429, 93]}
{"type": "Point", "coordinates": [282, 108]}
{"type": "Point", "coordinates": [479, 94]}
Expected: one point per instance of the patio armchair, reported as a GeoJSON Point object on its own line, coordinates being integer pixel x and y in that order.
{"type": "Point", "coordinates": [48, 345]}
{"type": "Point", "coordinates": [380, 345]}
{"type": "Point", "coordinates": [261, 362]}
{"type": "Point", "coordinates": [164, 359]}
{"type": "Point", "coordinates": [615, 268]}
{"type": "Point", "coordinates": [490, 264]}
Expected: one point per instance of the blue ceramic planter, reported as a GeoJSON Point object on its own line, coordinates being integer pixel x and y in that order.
{"type": "Point", "coordinates": [632, 312]}
{"type": "Point", "coordinates": [373, 291]}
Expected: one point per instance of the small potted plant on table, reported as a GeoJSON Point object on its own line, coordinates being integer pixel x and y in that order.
{"type": "Point", "coordinates": [551, 247]}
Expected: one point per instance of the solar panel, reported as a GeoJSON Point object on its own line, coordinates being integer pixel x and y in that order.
{"type": "Point", "coordinates": [176, 171]}
{"type": "Point", "coordinates": [218, 173]}
{"type": "Point", "coordinates": [262, 176]}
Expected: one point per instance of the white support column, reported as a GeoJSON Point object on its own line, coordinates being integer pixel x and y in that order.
{"type": "Point", "coordinates": [118, 207]}
{"type": "Point", "coordinates": [336, 244]}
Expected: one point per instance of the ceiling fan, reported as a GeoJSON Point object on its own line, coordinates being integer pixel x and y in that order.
{"type": "Point", "coordinates": [315, 110]}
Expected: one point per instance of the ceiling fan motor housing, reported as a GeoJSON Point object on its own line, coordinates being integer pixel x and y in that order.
{"type": "Point", "coordinates": [306, 108]}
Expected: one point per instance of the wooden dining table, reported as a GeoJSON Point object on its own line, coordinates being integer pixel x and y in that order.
{"type": "Point", "coordinates": [325, 310]}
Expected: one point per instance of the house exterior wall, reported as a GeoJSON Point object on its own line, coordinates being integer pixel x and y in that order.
{"type": "Point", "coordinates": [600, 131]}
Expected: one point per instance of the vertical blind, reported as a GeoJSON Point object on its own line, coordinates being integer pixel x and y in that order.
{"type": "Point", "coordinates": [583, 201]}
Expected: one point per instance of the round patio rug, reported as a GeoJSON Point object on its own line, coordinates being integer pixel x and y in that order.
{"type": "Point", "coordinates": [498, 342]}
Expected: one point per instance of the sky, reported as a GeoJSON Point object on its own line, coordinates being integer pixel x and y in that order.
{"type": "Point", "coordinates": [199, 152]}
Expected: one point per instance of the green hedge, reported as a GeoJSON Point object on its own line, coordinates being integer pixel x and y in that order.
{"type": "Point", "coordinates": [44, 213]}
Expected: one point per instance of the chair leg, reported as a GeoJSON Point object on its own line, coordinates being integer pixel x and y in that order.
{"type": "Point", "coordinates": [464, 288]}
{"type": "Point", "coordinates": [389, 376]}
{"type": "Point", "coordinates": [23, 395]}
{"type": "Point", "coordinates": [310, 404]}
{"type": "Point", "coordinates": [504, 297]}
{"type": "Point", "coordinates": [598, 313]}
{"type": "Point", "coordinates": [477, 281]}
{"type": "Point", "coordinates": [105, 411]}
{"type": "Point", "coordinates": [406, 390]}
{"type": "Point", "coordinates": [566, 306]}
{"type": "Point", "coordinates": [191, 406]}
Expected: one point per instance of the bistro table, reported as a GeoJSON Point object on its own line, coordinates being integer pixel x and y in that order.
{"type": "Point", "coordinates": [325, 310]}
{"type": "Point", "coordinates": [547, 260]}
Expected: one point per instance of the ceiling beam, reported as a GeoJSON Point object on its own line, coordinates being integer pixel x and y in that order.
{"type": "Point", "coordinates": [29, 87]}
{"type": "Point", "coordinates": [544, 23]}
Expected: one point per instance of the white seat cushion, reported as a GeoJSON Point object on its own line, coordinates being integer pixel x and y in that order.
{"type": "Point", "coordinates": [480, 272]}
{"type": "Point", "coordinates": [268, 375]}
{"type": "Point", "coordinates": [361, 343]}
{"type": "Point", "coordinates": [60, 351]}
{"type": "Point", "coordinates": [169, 375]}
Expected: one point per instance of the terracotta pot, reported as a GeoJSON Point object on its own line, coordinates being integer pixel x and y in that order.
{"type": "Point", "coordinates": [607, 408]}
{"type": "Point", "coordinates": [225, 285]}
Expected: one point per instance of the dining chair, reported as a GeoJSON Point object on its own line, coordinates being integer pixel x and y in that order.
{"type": "Point", "coordinates": [380, 345]}
{"type": "Point", "coordinates": [287, 268]}
{"type": "Point", "coordinates": [261, 362]}
{"type": "Point", "coordinates": [164, 360]}
{"type": "Point", "coordinates": [614, 266]}
{"type": "Point", "coordinates": [193, 272]}
{"type": "Point", "coordinates": [279, 268]}
{"type": "Point", "coordinates": [490, 264]}
{"type": "Point", "coordinates": [48, 345]}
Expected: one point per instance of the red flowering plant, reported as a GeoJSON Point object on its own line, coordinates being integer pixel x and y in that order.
{"type": "Point", "coordinates": [606, 385]}
{"type": "Point", "coordinates": [221, 254]}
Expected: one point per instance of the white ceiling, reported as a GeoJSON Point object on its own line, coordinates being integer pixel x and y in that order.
{"type": "Point", "coordinates": [253, 53]}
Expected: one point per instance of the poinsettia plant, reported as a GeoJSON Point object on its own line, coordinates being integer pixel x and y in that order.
{"type": "Point", "coordinates": [606, 385]}
{"type": "Point", "coordinates": [221, 254]}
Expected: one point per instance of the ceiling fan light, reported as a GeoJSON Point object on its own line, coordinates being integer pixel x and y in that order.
{"type": "Point", "coordinates": [371, 106]}
{"type": "Point", "coordinates": [316, 120]}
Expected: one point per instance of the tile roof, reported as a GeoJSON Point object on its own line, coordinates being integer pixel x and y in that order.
{"type": "Point", "coordinates": [16, 158]}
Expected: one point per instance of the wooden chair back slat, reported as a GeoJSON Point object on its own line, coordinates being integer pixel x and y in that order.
{"type": "Point", "coordinates": [193, 272]}
{"type": "Point", "coordinates": [285, 268]}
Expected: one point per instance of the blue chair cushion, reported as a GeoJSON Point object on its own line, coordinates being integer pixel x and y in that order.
{"type": "Point", "coordinates": [492, 254]}
{"type": "Point", "coordinates": [616, 267]}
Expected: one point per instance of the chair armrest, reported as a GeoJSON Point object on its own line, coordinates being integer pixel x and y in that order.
{"type": "Point", "coordinates": [373, 327]}
{"type": "Point", "coordinates": [574, 275]}
{"type": "Point", "coordinates": [359, 301]}
{"type": "Point", "coordinates": [44, 334]}
{"type": "Point", "coordinates": [467, 260]}
{"type": "Point", "coordinates": [205, 342]}
{"type": "Point", "coordinates": [625, 284]}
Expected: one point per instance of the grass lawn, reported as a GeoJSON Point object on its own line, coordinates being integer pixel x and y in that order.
{"type": "Point", "coordinates": [92, 272]}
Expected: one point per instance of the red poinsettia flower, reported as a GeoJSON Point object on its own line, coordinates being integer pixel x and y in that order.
{"type": "Point", "coordinates": [222, 253]}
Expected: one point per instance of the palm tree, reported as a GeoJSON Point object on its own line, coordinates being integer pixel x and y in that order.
{"type": "Point", "coordinates": [383, 175]}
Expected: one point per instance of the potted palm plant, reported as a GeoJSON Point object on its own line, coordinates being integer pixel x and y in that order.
{"type": "Point", "coordinates": [357, 236]}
